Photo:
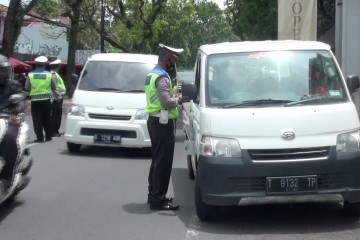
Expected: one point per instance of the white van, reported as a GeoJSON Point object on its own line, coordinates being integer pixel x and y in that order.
{"type": "Point", "coordinates": [271, 122]}
{"type": "Point", "coordinates": [108, 105]}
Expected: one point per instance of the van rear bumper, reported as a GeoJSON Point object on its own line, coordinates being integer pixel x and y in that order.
{"type": "Point", "coordinates": [235, 181]}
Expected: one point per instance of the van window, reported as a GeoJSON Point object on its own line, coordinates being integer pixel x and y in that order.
{"type": "Point", "coordinates": [291, 76]}
{"type": "Point", "coordinates": [114, 76]}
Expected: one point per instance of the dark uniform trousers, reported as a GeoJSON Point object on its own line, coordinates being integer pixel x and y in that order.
{"type": "Point", "coordinates": [162, 146]}
{"type": "Point", "coordinates": [9, 151]}
{"type": "Point", "coordinates": [41, 115]}
{"type": "Point", "coordinates": [56, 115]}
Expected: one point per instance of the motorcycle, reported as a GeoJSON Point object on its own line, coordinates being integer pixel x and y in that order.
{"type": "Point", "coordinates": [24, 162]}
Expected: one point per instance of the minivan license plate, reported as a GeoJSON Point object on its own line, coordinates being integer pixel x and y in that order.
{"type": "Point", "coordinates": [288, 185]}
{"type": "Point", "coordinates": [106, 138]}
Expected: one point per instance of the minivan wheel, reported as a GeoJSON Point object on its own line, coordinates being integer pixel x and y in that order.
{"type": "Point", "coordinates": [73, 147]}
{"type": "Point", "coordinates": [352, 209]}
{"type": "Point", "coordinates": [205, 212]}
{"type": "Point", "coordinates": [190, 168]}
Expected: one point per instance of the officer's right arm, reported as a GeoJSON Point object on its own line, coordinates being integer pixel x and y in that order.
{"type": "Point", "coordinates": [27, 84]}
{"type": "Point", "coordinates": [167, 100]}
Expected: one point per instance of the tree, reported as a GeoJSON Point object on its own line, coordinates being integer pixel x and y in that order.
{"type": "Point", "coordinates": [253, 20]}
{"type": "Point", "coordinates": [13, 23]}
{"type": "Point", "coordinates": [188, 24]}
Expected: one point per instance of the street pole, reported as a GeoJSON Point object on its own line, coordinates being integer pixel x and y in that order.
{"type": "Point", "coordinates": [102, 30]}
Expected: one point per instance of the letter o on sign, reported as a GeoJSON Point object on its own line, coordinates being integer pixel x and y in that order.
{"type": "Point", "coordinates": [297, 8]}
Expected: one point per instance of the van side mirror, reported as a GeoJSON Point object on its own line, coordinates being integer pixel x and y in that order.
{"type": "Point", "coordinates": [74, 78]}
{"type": "Point", "coordinates": [188, 90]}
{"type": "Point", "coordinates": [353, 83]}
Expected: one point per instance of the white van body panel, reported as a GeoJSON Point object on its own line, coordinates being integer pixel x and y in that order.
{"type": "Point", "coordinates": [109, 102]}
{"type": "Point", "coordinates": [261, 128]}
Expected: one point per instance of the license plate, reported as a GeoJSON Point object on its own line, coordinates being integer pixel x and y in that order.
{"type": "Point", "coordinates": [107, 138]}
{"type": "Point", "coordinates": [288, 185]}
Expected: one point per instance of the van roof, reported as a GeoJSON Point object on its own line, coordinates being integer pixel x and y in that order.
{"type": "Point", "coordinates": [250, 46]}
{"type": "Point", "coordinates": [126, 57]}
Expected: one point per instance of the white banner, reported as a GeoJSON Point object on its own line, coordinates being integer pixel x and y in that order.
{"type": "Point", "coordinates": [297, 19]}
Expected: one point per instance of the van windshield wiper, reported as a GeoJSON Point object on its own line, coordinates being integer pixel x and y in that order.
{"type": "Point", "coordinates": [256, 102]}
{"type": "Point", "coordinates": [107, 90]}
{"type": "Point", "coordinates": [318, 98]}
{"type": "Point", "coordinates": [134, 91]}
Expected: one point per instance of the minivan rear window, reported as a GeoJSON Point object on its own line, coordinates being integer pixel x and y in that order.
{"type": "Point", "coordinates": [114, 76]}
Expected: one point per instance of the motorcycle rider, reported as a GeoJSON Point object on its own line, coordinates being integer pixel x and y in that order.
{"type": "Point", "coordinates": [12, 103]}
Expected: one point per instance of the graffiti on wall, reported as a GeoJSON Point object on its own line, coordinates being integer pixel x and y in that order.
{"type": "Point", "coordinates": [46, 50]}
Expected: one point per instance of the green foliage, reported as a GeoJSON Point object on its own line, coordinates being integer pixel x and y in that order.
{"type": "Point", "coordinates": [188, 25]}
{"type": "Point", "coordinates": [48, 8]}
{"type": "Point", "coordinates": [253, 20]}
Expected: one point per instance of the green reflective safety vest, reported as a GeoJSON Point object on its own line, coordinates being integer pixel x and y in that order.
{"type": "Point", "coordinates": [40, 81]}
{"type": "Point", "coordinates": [152, 96]}
{"type": "Point", "coordinates": [60, 84]}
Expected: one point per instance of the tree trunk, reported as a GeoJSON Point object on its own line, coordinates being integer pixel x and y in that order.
{"type": "Point", "coordinates": [12, 27]}
{"type": "Point", "coordinates": [72, 51]}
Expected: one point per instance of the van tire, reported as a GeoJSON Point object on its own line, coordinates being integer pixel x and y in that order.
{"type": "Point", "coordinates": [190, 168]}
{"type": "Point", "coordinates": [205, 212]}
{"type": "Point", "coordinates": [73, 147]}
{"type": "Point", "coordinates": [352, 209]}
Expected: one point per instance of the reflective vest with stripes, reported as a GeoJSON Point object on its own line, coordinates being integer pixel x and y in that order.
{"type": "Point", "coordinates": [60, 86]}
{"type": "Point", "coordinates": [152, 96]}
{"type": "Point", "coordinates": [40, 81]}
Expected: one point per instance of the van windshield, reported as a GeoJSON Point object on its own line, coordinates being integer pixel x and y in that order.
{"type": "Point", "coordinates": [273, 78]}
{"type": "Point", "coordinates": [114, 76]}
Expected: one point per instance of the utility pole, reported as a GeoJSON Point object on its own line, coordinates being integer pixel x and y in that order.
{"type": "Point", "coordinates": [102, 30]}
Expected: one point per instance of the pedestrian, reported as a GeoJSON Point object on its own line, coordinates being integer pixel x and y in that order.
{"type": "Point", "coordinates": [56, 105]}
{"type": "Point", "coordinates": [162, 102]}
{"type": "Point", "coordinates": [12, 104]}
{"type": "Point", "coordinates": [42, 87]}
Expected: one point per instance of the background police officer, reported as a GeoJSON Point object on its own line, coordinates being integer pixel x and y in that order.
{"type": "Point", "coordinates": [162, 102]}
{"type": "Point", "coordinates": [42, 87]}
{"type": "Point", "coordinates": [12, 103]}
{"type": "Point", "coordinates": [56, 105]}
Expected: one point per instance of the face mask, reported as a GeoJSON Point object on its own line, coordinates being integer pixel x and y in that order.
{"type": "Point", "coordinates": [170, 67]}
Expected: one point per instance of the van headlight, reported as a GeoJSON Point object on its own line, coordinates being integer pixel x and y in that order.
{"type": "Point", "coordinates": [220, 147]}
{"type": "Point", "coordinates": [348, 142]}
{"type": "Point", "coordinates": [77, 110]}
{"type": "Point", "coordinates": [141, 115]}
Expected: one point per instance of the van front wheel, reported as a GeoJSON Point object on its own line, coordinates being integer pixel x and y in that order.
{"type": "Point", "coordinates": [352, 209]}
{"type": "Point", "coordinates": [205, 212]}
{"type": "Point", "coordinates": [73, 147]}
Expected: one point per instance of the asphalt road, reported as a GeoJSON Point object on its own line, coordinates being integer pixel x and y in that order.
{"type": "Point", "coordinates": [100, 193]}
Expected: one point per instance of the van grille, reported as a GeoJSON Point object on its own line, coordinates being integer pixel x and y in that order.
{"type": "Point", "coordinates": [122, 133]}
{"type": "Point", "coordinates": [289, 154]}
{"type": "Point", "coordinates": [109, 117]}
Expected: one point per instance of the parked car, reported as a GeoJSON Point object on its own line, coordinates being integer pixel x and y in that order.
{"type": "Point", "coordinates": [108, 106]}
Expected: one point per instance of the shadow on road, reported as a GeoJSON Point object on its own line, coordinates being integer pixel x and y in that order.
{"type": "Point", "coordinates": [7, 208]}
{"type": "Point", "coordinates": [112, 152]}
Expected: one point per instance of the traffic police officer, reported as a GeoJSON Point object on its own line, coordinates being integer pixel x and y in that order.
{"type": "Point", "coordinates": [56, 105]}
{"type": "Point", "coordinates": [42, 87]}
{"type": "Point", "coordinates": [162, 102]}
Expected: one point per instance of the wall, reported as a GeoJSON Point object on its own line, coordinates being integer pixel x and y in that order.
{"type": "Point", "coordinates": [347, 35]}
{"type": "Point", "coordinates": [43, 40]}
